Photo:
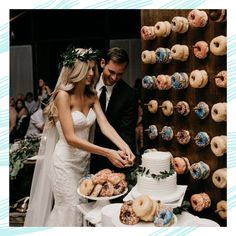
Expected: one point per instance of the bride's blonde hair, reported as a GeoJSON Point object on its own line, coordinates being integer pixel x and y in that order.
{"type": "Point", "coordinates": [71, 73]}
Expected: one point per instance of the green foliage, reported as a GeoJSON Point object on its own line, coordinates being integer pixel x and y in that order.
{"type": "Point", "coordinates": [184, 207]}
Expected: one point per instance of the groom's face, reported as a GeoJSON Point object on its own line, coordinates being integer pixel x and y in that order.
{"type": "Point", "coordinates": [112, 72]}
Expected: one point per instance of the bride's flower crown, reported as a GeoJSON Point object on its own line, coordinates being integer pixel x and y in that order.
{"type": "Point", "coordinates": [71, 54]}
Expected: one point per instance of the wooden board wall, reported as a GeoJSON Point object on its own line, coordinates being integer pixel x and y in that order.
{"type": "Point", "coordinates": [211, 94]}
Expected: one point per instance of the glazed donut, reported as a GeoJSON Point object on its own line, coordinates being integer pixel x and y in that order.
{"type": "Point", "coordinates": [113, 178]}
{"type": "Point", "coordinates": [179, 80]}
{"type": "Point", "coordinates": [218, 45]}
{"type": "Point", "coordinates": [127, 214]}
{"type": "Point", "coordinates": [201, 49]}
{"type": "Point", "coordinates": [107, 190]}
{"type": "Point", "coordinates": [163, 55]}
{"type": "Point", "coordinates": [200, 201]}
{"type": "Point", "coordinates": [86, 186]}
{"type": "Point", "coordinates": [152, 131]}
{"type": "Point", "coordinates": [148, 82]}
{"type": "Point", "coordinates": [198, 78]}
{"type": "Point", "coordinates": [219, 112]}
{"type": "Point", "coordinates": [122, 176]}
{"type": "Point", "coordinates": [97, 189]}
{"type": "Point", "coordinates": [221, 209]}
{"type": "Point", "coordinates": [162, 28]}
{"type": "Point", "coordinates": [219, 145]}
{"type": "Point", "coordinates": [152, 106]}
{"type": "Point", "coordinates": [164, 217]}
{"type": "Point", "coordinates": [120, 187]}
{"type": "Point", "coordinates": [183, 136]}
{"type": "Point", "coordinates": [201, 110]}
{"type": "Point", "coordinates": [197, 18]}
{"type": "Point", "coordinates": [150, 216]}
{"type": "Point", "coordinates": [180, 164]}
{"type": "Point", "coordinates": [221, 79]}
{"type": "Point", "coordinates": [180, 52]}
{"type": "Point", "coordinates": [163, 82]}
{"type": "Point", "coordinates": [148, 57]}
{"type": "Point", "coordinates": [200, 170]}
{"type": "Point", "coordinates": [167, 133]}
{"type": "Point", "coordinates": [202, 139]}
{"type": "Point", "coordinates": [101, 176]}
{"type": "Point", "coordinates": [167, 108]}
{"type": "Point", "coordinates": [219, 178]}
{"type": "Point", "coordinates": [148, 33]}
{"type": "Point", "coordinates": [142, 205]}
{"type": "Point", "coordinates": [179, 24]}
{"type": "Point", "coordinates": [218, 15]}
{"type": "Point", "coordinates": [182, 108]}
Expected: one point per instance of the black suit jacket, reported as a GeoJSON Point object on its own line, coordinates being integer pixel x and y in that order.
{"type": "Point", "coordinates": [122, 115]}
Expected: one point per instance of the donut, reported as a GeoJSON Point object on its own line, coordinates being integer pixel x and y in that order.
{"type": "Point", "coordinates": [167, 108]}
{"type": "Point", "coordinates": [148, 82]}
{"type": "Point", "coordinates": [107, 190]}
{"type": "Point", "coordinates": [96, 190]}
{"type": "Point", "coordinates": [152, 131]}
{"type": "Point", "coordinates": [219, 112]}
{"type": "Point", "coordinates": [180, 164]}
{"type": "Point", "coordinates": [163, 55]}
{"type": "Point", "coordinates": [218, 45]}
{"type": "Point", "coordinates": [179, 80]}
{"type": "Point", "coordinates": [150, 216]}
{"type": "Point", "coordinates": [197, 18]}
{"type": "Point", "coordinates": [201, 110]}
{"type": "Point", "coordinates": [113, 178]}
{"type": "Point", "coordinates": [183, 137]}
{"type": "Point", "coordinates": [148, 57]}
{"type": "Point", "coordinates": [219, 145]}
{"type": "Point", "coordinates": [163, 82]}
{"type": "Point", "coordinates": [201, 49]}
{"type": "Point", "coordinates": [148, 33]}
{"type": "Point", "coordinates": [200, 170]}
{"type": "Point", "coordinates": [219, 178]}
{"type": "Point", "coordinates": [142, 205]}
{"type": "Point", "coordinates": [120, 187]}
{"type": "Point", "coordinates": [162, 28]}
{"type": "Point", "coordinates": [86, 186]}
{"type": "Point", "coordinates": [122, 176]}
{"type": "Point", "coordinates": [198, 78]}
{"type": "Point", "coordinates": [180, 52]}
{"type": "Point", "coordinates": [152, 106]}
{"type": "Point", "coordinates": [218, 15]}
{"type": "Point", "coordinates": [101, 176]}
{"type": "Point", "coordinates": [221, 79]}
{"type": "Point", "coordinates": [127, 214]}
{"type": "Point", "coordinates": [179, 24]}
{"type": "Point", "coordinates": [202, 139]}
{"type": "Point", "coordinates": [167, 133]}
{"type": "Point", "coordinates": [221, 209]}
{"type": "Point", "coordinates": [182, 108]}
{"type": "Point", "coordinates": [164, 217]}
{"type": "Point", "coordinates": [200, 201]}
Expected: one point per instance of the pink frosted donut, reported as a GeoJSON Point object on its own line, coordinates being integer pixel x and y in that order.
{"type": "Point", "coordinates": [200, 201]}
{"type": "Point", "coordinates": [114, 178]}
{"type": "Point", "coordinates": [221, 79]}
{"type": "Point", "coordinates": [101, 176]}
{"type": "Point", "coordinates": [183, 137]}
{"type": "Point", "coordinates": [201, 49]}
{"type": "Point", "coordinates": [148, 33]}
{"type": "Point", "coordinates": [197, 18]}
{"type": "Point", "coordinates": [181, 165]}
{"type": "Point", "coordinates": [107, 190]}
{"type": "Point", "coordinates": [163, 82]}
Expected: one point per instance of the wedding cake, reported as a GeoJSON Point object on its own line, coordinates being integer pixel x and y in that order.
{"type": "Point", "coordinates": [156, 179]}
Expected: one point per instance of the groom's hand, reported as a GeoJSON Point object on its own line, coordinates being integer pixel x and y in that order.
{"type": "Point", "coordinates": [129, 161]}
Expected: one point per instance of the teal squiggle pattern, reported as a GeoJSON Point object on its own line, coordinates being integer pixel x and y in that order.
{"type": "Point", "coordinates": [182, 4]}
{"type": "Point", "coordinates": [4, 38]}
{"type": "Point", "coordinates": [58, 4]}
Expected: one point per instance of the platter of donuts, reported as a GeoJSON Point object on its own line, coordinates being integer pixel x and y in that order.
{"type": "Point", "coordinates": [144, 212]}
{"type": "Point", "coordinates": [104, 185]}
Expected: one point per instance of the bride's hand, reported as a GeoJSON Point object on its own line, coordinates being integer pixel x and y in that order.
{"type": "Point", "coordinates": [129, 158]}
{"type": "Point", "coordinates": [116, 159]}
{"type": "Point", "coordinates": [129, 154]}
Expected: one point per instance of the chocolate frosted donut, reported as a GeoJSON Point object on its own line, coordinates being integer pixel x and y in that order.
{"type": "Point", "coordinates": [127, 214]}
{"type": "Point", "coordinates": [202, 139]}
{"type": "Point", "coordinates": [218, 15]}
{"type": "Point", "coordinates": [200, 170]}
{"type": "Point", "coordinates": [182, 108]}
{"type": "Point", "coordinates": [183, 137]}
{"type": "Point", "coordinates": [167, 133]}
{"type": "Point", "coordinates": [201, 110]}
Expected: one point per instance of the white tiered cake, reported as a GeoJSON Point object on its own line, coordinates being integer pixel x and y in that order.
{"type": "Point", "coordinates": [150, 182]}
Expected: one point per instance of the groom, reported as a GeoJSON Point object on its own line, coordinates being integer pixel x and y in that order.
{"type": "Point", "coordinates": [119, 104]}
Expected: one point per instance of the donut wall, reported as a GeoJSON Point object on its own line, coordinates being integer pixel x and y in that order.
{"type": "Point", "coordinates": [184, 77]}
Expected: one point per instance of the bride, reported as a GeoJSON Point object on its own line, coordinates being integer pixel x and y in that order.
{"type": "Point", "coordinates": [65, 149]}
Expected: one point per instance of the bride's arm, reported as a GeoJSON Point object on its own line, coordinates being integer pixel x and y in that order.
{"type": "Point", "coordinates": [110, 132]}
{"type": "Point", "coordinates": [62, 102]}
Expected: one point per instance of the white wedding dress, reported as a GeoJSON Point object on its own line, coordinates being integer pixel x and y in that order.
{"type": "Point", "coordinates": [68, 166]}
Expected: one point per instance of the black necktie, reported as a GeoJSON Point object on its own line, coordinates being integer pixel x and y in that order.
{"type": "Point", "coordinates": [102, 98]}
